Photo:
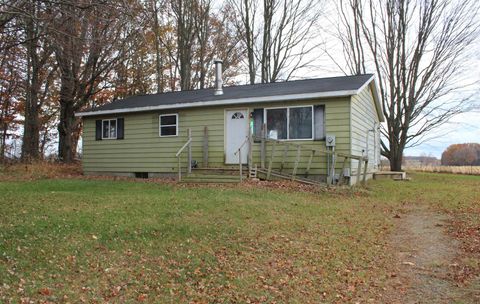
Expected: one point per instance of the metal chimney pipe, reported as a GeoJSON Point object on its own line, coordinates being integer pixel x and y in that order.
{"type": "Point", "coordinates": [218, 78]}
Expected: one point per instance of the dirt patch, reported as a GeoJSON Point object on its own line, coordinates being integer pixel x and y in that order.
{"type": "Point", "coordinates": [426, 261]}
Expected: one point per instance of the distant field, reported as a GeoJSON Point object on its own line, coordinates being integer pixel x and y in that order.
{"type": "Point", "coordinates": [469, 170]}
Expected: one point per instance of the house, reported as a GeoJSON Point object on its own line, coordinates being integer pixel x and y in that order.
{"type": "Point", "coordinates": [320, 129]}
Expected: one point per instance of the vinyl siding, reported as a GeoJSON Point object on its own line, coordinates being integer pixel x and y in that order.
{"type": "Point", "coordinates": [142, 150]}
{"type": "Point", "coordinates": [364, 118]}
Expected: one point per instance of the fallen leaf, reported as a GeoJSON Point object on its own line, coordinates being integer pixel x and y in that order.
{"type": "Point", "coordinates": [45, 292]}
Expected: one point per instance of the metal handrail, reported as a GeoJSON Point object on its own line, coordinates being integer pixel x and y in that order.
{"type": "Point", "coordinates": [239, 151]}
{"type": "Point", "coordinates": [243, 144]}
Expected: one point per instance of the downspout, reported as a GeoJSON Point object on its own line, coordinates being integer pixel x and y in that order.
{"type": "Point", "coordinates": [367, 148]}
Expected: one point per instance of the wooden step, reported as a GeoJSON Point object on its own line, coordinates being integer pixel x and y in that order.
{"type": "Point", "coordinates": [221, 171]}
{"type": "Point", "coordinates": [214, 176]}
{"type": "Point", "coordinates": [211, 180]}
{"type": "Point", "coordinates": [390, 175]}
{"type": "Point", "coordinates": [208, 181]}
{"type": "Point", "coordinates": [199, 178]}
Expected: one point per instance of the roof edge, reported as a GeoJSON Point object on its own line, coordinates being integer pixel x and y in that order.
{"type": "Point", "coordinates": [376, 97]}
{"type": "Point", "coordinates": [228, 102]}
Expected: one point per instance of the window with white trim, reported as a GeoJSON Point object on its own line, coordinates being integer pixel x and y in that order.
{"type": "Point", "coordinates": [168, 125]}
{"type": "Point", "coordinates": [109, 129]}
{"type": "Point", "coordinates": [290, 122]}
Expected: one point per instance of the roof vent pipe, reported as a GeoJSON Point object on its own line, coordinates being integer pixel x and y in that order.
{"type": "Point", "coordinates": [218, 78]}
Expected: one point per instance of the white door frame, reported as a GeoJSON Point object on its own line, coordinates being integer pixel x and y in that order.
{"type": "Point", "coordinates": [225, 128]}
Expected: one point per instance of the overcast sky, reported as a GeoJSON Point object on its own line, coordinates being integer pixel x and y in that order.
{"type": "Point", "coordinates": [464, 128]}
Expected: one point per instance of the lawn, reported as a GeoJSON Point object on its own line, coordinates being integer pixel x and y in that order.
{"type": "Point", "coordinates": [73, 240]}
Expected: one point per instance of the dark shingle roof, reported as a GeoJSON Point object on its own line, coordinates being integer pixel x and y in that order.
{"type": "Point", "coordinates": [318, 85]}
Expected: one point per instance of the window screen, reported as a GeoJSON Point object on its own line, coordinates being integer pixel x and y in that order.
{"type": "Point", "coordinates": [277, 123]}
{"type": "Point", "coordinates": [109, 129]}
{"type": "Point", "coordinates": [300, 123]}
{"type": "Point", "coordinates": [319, 122]}
{"type": "Point", "coordinates": [257, 123]}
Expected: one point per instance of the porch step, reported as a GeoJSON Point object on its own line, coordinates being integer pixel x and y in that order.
{"type": "Point", "coordinates": [220, 171]}
{"type": "Point", "coordinates": [395, 175]}
{"type": "Point", "coordinates": [210, 178]}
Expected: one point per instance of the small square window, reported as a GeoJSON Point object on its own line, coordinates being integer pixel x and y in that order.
{"type": "Point", "coordinates": [109, 129]}
{"type": "Point", "coordinates": [168, 125]}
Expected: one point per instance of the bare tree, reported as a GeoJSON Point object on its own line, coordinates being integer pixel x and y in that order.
{"type": "Point", "coordinates": [184, 12]}
{"type": "Point", "coordinates": [418, 49]}
{"type": "Point", "coordinates": [280, 42]}
{"type": "Point", "coordinates": [10, 89]}
{"type": "Point", "coordinates": [246, 10]}
{"type": "Point", "coordinates": [89, 40]}
{"type": "Point", "coordinates": [38, 51]}
{"type": "Point", "coordinates": [188, 35]}
{"type": "Point", "coordinates": [158, 56]}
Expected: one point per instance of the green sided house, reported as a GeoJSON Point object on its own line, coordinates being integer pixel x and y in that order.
{"type": "Point", "coordinates": [323, 129]}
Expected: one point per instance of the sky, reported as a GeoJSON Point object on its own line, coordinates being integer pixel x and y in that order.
{"type": "Point", "coordinates": [463, 128]}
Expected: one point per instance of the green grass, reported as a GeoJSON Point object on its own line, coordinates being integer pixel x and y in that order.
{"type": "Point", "coordinates": [122, 241]}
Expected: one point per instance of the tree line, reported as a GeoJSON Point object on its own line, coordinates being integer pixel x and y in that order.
{"type": "Point", "coordinates": [462, 155]}
{"type": "Point", "coordinates": [62, 56]}
{"type": "Point", "coordinates": [59, 57]}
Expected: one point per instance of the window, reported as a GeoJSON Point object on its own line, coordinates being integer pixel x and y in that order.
{"type": "Point", "coordinates": [109, 129]}
{"type": "Point", "coordinates": [290, 123]}
{"type": "Point", "coordinates": [237, 115]}
{"type": "Point", "coordinates": [319, 117]}
{"type": "Point", "coordinates": [277, 123]}
{"type": "Point", "coordinates": [168, 125]}
{"type": "Point", "coordinates": [257, 120]}
{"type": "Point", "coordinates": [300, 123]}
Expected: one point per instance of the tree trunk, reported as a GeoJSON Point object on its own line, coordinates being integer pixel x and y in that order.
{"type": "Point", "coordinates": [4, 141]}
{"type": "Point", "coordinates": [396, 157]}
{"type": "Point", "coordinates": [66, 124]}
{"type": "Point", "coordinates": [158, 57]}
{"type": "Point", "coordinates": [249, 40]}
{"type": "Point", "coordinates": [3, 115]}
{"type": "Point", "coordinates": [66, 128]}
{"type": "Point", "coordinates": [31, 129]}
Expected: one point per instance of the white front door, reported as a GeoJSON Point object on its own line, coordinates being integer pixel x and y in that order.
{"type": "Point", "coordinates": [237, 132]}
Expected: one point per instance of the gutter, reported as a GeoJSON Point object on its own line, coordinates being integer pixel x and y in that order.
{"type": "Point", "coordinates": [247, 100]}
{"type": "Point", "coordinates": [223, 102]}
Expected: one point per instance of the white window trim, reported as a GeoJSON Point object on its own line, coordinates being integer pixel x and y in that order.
{"type": "Point", "coordinates": [160, 125]}
{"type": "Point", "coordinates": [109, 123]}
{"type": "Point", "coordinates": [288, 122]}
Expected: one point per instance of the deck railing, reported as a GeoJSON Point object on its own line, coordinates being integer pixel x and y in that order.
{"type": "Point", "coordinates": [299, 148]}
{"type": "Point", "coordinates": [268, 158]}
